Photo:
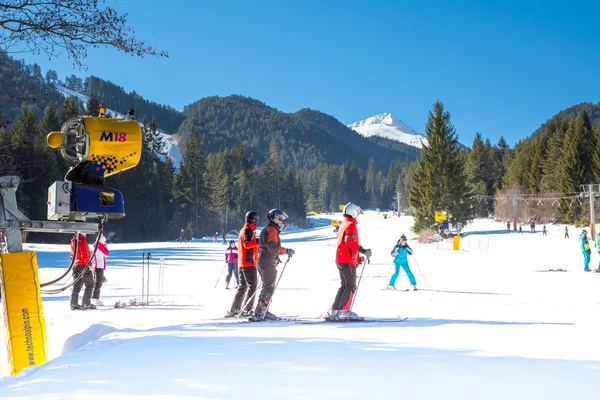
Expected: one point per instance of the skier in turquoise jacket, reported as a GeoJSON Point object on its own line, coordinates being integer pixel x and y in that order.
{"type": "Point", "coordinates": [401, 261]}
{"type": "Point", "coordinates": [585, 249]}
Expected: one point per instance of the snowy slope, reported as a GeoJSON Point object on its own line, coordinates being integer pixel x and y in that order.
{"type": "Point", "coordinates": [485, 325]}
{"type": "Point", "coordinates": [171, 142]}
{"type": "Point", "coordinates": [388, 126]}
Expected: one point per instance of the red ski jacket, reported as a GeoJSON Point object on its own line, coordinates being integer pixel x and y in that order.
{"type": "Point", "coordinates": [83, 251]}
{"type": "Point", "coordinates": [347, 245]}
{"type": "Point", "coordinates": [248, 247]}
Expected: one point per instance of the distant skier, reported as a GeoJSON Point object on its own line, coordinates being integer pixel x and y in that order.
{"type": "Point", "coordinates": [231, 256]}
{"type": "Point", "coordinates": [508, 226]}
{"type": "Point", "coordinates": [248, 255]}
{"type": "Point", "coordinates": [347, 259]}
{"type": "Point", "coordinates": [216, 239]}
{"type": "Point", "coordinates": [520, 228]}
{"type": "Point", "coordinates": [401, 261]}
{"type": "Point", "coordinates": [566, 232]}
{"type": "Point", "coordinates": [585, 249]}
{"type": "Point", "coordinates": [182, 237]}
{"type": "Point", "coordinates": [544, 231]}
{"type": "Point", "coordinates": [269, 250]}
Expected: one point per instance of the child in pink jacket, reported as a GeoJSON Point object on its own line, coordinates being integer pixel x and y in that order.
{"type": "Point", "coordinates": [99, 264]}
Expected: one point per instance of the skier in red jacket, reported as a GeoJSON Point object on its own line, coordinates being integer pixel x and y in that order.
{"type": "Point", "coordinates": [347, 259]}
{"type": "Point", "coordinates": [82, 266]}
{"type": "Point", "coordinates": [247, 257]}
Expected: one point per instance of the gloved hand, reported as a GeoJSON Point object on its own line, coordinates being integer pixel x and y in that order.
{"type": "Point", "coordinates": [393, 253]}
{"type": "Point", "coordinates": [368, 253]}
{"type": "Point", "coordinates": [362, 259]}
{"type": "Point", "coordinates": [289, 252]}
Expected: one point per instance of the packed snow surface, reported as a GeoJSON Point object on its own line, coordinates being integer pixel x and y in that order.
{"type": "Point", "coordinates": [388, 126]}
{"type": "Point", "coordinates": [485, 324]}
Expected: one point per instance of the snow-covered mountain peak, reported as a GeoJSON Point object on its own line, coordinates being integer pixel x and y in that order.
{"type": "Point", "coordinates": [389, 126]}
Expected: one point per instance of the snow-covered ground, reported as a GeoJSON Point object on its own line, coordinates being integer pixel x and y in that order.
{"type": "Point", "coordinates": [485, 324]}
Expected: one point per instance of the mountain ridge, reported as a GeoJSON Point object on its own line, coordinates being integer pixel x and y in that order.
{"type": "Point", "coordinates": [386, 125]}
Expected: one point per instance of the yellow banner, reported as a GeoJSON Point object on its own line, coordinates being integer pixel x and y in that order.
{"type": "Point", "coordinates": [24, 322]}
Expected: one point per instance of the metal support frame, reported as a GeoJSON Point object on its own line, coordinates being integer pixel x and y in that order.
{"type": "Point", "coordinates": [591, 190]}
{"type": "Point", "coordinates": [14, 222]}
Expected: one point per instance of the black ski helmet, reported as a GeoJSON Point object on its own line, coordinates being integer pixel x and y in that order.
{"type": "Point", "coordinates": [277, 217]}
{"type": "Point", "coordinates": [252, 217]}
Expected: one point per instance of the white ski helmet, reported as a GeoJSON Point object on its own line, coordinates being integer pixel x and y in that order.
{"type": "Point", "coordinates": [352, 210]}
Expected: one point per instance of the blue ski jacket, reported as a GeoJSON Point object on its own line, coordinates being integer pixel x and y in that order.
{"type": "Point", "coordinates": [402, 254]}
{"type": "Point", "coordinates": [583, 244]}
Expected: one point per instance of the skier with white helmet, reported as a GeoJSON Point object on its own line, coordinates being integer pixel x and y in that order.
{"type": "Point", "coordinates": [347, 259]}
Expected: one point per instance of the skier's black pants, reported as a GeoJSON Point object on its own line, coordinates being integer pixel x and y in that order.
{"type": "Point", "coordinates": [232, 268]}
{"type": "Point", "coordinates": [345, 293]}
{"type": "Point", "coordinates": [267, 268]}
{"type": "Point", "coordinates": [87, 279]}
{"type": "Point", "coordinates": [246, 291]}
{"type": "Point", "coordinates": [98, 283]}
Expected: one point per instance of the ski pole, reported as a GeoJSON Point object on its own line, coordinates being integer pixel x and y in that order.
{"type": "Point", "coordinates": [419, 268]}
{"type": "Point", "coordinates": [251, 298]}
{"type": "Point", "coordinates": [364, 263]}
{"type": "Point", "coordinates": [221, 274]}
{"type": "Point", "coordinates": [275, 288]}
{"type": "Point", "coordinates": [389, 272]}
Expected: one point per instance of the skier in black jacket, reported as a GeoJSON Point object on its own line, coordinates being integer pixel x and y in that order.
{"type": "Point", "coordinates": [269, 250]}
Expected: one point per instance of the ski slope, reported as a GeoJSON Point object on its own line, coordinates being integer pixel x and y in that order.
{"type": "Point", "coordinates": [485, 326]}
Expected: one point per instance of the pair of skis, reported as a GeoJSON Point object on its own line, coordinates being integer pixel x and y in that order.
{"type": "Point", "coordinates": [299, 320]}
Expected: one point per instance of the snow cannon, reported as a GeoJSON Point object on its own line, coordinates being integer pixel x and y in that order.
{"type": "Point", "coordinates": [68, 201]}
{"type": "Point", "coordinates": [108, 145]}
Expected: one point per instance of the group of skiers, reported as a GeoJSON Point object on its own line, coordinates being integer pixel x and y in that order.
{"type": "Point", "coordinates": [88, 271]}
{"type": "Point", "coordinates": [260, 255]}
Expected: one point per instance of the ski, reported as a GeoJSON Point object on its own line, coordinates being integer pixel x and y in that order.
{"type": "Point", "coordinates": [345, 321]}
{"type": "Point", "coordinates": [280, 319]}
{"type": "Point", "coordinates": [283, 317]}
{"type": "Point", "coordinates": [395, 290]}
{"type": "Point", "coordinates": [552, 270]}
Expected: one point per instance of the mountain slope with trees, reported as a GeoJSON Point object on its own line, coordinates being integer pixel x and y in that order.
{"type": "Point", "coordinates": [305, 139]}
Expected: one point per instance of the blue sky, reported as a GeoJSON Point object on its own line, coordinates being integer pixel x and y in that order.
{"type": "Point", "coordinates": [499, 67]}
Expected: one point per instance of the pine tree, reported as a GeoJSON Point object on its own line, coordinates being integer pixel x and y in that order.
{"type": "Point", "coordinates": [536, 172]}
{"type": "Point", "coordinates": [478, 172]}
{"type": "Point", "coordinates": [501, 161]}
{"type": "Point", "coordinates": [190, 186]}
{"type": "Point", "coordinates": [575, 165]}
{"type": "Point", "coordinates": [70, 109]}
{"type": "Point", "coordinates": [92, 107]}
{"type": "Point", "coordinates": [595, 148]}
{"type": "Point", "coordinates": [28, 148]}
{"type": "Point", "coordinates": [371, 183]}
{"type": "Point", "coordinates": [517, 174]}
{"type": "Point", "coordinates": [440, 182]}
{"type": "Point", "coordinates": [557, 132]}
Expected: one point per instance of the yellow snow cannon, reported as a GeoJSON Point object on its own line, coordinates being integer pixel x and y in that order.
{"type": "Point", "coordinates": [111, 145]}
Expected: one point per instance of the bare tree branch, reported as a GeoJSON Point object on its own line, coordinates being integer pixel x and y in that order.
{"type": "Point", "coordinates": [49, 26]}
